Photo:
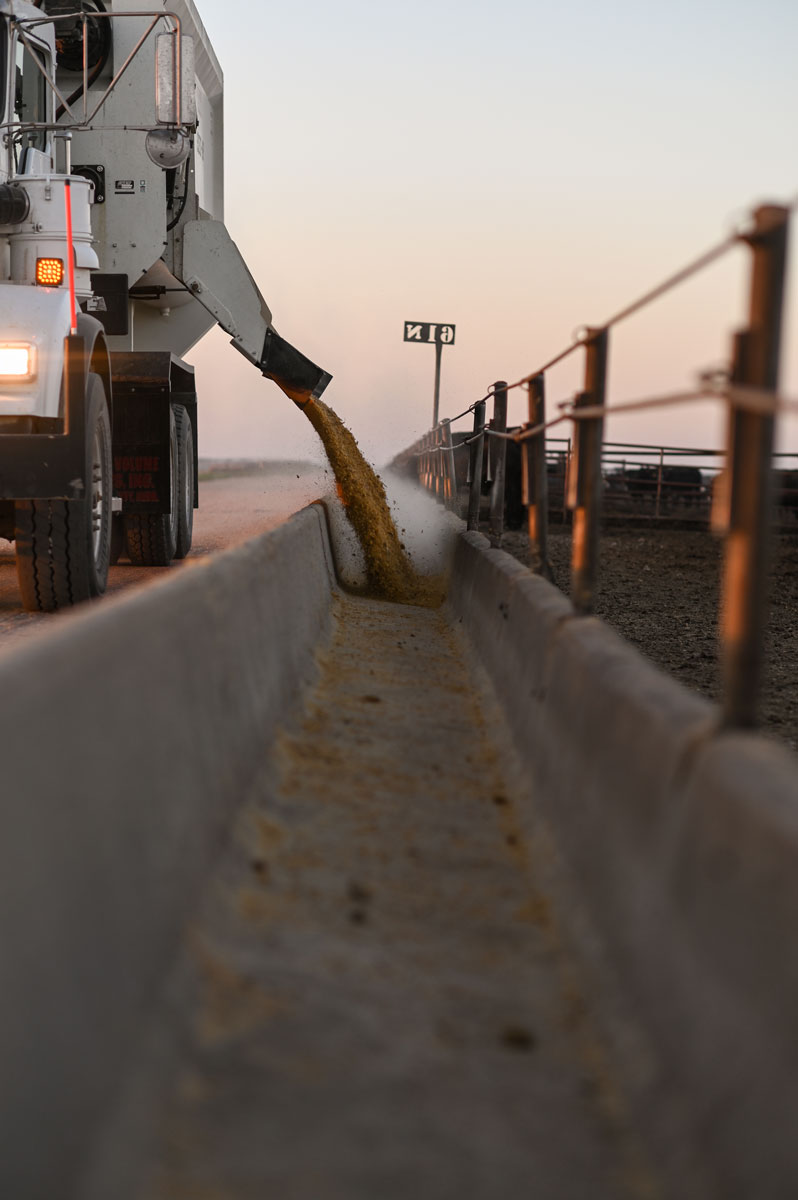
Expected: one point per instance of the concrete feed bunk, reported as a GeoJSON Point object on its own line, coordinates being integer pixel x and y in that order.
{"type": "Point", "coordinates": [427, 956]}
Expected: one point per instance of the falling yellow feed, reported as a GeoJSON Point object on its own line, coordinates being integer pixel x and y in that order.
{"type": "Point", "coordinates": [390, 573]}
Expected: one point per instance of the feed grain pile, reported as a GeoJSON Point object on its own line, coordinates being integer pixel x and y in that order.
{"type": "Point", "coordinates": [390, 573]}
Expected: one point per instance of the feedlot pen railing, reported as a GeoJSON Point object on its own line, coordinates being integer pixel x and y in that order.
{"type": "Point", "coordinates": [740, 498]}
{"type": "Point", "coordinates": [641, 483]}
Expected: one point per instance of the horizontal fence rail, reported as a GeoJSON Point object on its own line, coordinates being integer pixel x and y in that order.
{"type": "Point", "coordinates": [738, 489]}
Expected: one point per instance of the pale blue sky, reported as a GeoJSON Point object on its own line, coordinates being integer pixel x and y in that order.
{"type": "Point", "coordinates": [512, 168]}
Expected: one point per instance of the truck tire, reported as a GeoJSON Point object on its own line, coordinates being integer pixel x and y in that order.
{"type": "Point", "coordinates": [185, 481]}
{"type": "Point", "coordinates": [152, 538]}
{"type": "Point", "coordinates": [63, 547]}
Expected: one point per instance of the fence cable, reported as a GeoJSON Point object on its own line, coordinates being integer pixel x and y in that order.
{"type": "Point", "coordinates": [749, 398]}
{"type": "Point", "coordinates": [587, 334]}
{"type": "Point", "coordinates": [755, 400]}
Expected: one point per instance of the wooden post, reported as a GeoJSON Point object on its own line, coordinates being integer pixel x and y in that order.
{"type": "Point", "coordinates": [585, 483]}
{"type": "Point", "coordinates": [535, 477]}
{"type": "Point", "coordinates": [498, 457]}
{"type": "Point", "coordinates": [477, 449]}
{"type": "Point", "coordinates": [749, 466]}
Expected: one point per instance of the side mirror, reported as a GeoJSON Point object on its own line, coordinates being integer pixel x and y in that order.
{"type": "Point", "coordinates": [174, 60]}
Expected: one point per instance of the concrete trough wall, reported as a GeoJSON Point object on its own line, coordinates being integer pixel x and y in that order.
{"type": "Point", "coordinates": [683, 842]}
{"type": "Point", "coordinates": [129, 734]}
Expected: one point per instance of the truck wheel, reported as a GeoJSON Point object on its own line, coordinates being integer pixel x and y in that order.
{"type": "Point", "coordinates": [152, 538]}
{"type": "Point", "coordinates": [185, 481]}
{"type": "Point", "coordinates": [63, 547]}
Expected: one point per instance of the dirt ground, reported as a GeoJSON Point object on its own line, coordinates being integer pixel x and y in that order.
{"type": "Point", "coordinates": [659, 588]}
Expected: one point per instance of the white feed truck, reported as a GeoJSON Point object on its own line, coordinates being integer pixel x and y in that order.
{"type": "Point", "coordinates": [114, 261]}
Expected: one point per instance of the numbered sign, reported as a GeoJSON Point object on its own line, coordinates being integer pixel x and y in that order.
{"type": "Point", "coordinates": [427, 334]}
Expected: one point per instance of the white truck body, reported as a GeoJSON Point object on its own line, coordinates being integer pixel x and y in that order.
{"type": "Point", "coordinates": [114, 262]}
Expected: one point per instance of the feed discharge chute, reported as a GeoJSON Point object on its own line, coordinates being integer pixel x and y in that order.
{"type": "Point", "coordinates": [114, 262]}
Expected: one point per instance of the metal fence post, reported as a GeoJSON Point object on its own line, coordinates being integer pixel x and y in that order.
{"type": "Point", "coordinates": [436, 462]}
{"type": "Point", "coordinates": [585, 483]}
{"type": "Point", "coordinates": [449, 475]}
{"type": "Point", "coordinates": [535, 477]}
{"type": "Point", "coordinates": [566, 480]}
{"type": "Point", "coordinates": [498, 456]}
{"type": "Point", "coordinates": [750, 455]}
{"type": "Point", "coordinates": [659, 481]}
{"type": "Point", "coordinates": [477, 449]}
{"type": "Point", "coordinates": [437, 396]}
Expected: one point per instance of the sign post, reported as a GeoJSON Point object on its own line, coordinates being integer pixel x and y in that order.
{"type": "Point", "coordinates": [438, 336]}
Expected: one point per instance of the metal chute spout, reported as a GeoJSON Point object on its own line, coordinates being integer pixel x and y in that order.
{"type": "Point", "coordinates": [295, 374]}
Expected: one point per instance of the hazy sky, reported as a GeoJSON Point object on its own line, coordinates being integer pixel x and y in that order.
{"type": "Point", "coordinates": [517, 169]}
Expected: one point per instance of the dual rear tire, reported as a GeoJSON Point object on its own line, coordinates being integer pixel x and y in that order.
{"type": "Point", "coordinates": [186, 481]}
{"type": "Point", "coordinates": [154, 540]}
{"type": "Point", "coordinates": [63, 547]}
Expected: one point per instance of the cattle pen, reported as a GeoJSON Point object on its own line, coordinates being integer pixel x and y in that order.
{"type": "Point", "coordinates": [641, 483]}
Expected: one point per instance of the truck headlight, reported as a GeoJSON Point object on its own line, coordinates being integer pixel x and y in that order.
{"type": "Point", "coordinates": [17, 361]}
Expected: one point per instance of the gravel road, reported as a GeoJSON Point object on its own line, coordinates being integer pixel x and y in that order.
{"type": "Point", "coordinates": [235, 505]}
{"type": "Point", "coordinates": [660, 590]}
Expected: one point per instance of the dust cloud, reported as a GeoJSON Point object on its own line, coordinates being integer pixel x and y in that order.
{"type": "Point", "coordinates": [392, 570]}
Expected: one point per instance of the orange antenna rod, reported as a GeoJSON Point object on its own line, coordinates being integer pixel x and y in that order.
{"type": "Point", "coordinates": [73, 311]}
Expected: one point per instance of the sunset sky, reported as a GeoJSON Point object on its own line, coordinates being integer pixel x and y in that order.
{"type": "Point", "coordinates": [518, 169]}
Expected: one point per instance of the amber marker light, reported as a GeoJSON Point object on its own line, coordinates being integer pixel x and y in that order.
{"type": "Point", "coordinates": [17, 361]}
{"type": "Point", "coordinates": [49, 272]}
